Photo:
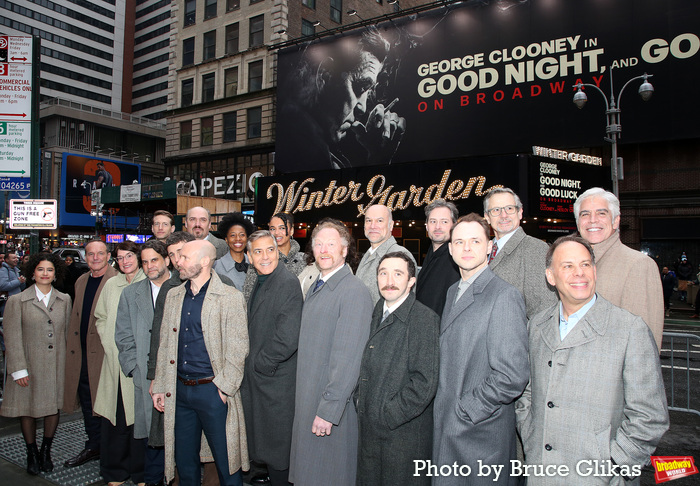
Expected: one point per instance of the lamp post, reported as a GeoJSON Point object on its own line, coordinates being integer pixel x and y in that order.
{"type": "Point", "coordinates": [97, 214]}
{"type": "Point", "coordinates": [612, 116]}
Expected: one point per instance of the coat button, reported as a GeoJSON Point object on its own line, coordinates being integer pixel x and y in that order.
{"type": "Point", "coordinates": [550, 364]}
{"type": "Point", "coordinates": [50, 321]}
{"type": "Point", "coordinates": [550, 404]}
{"type": "Point", "coordinates": [548, 447]}
{"type": "Point", "coordinates": [50, 346]}
{"type": "Point", "coordinates": [50, 335]}
{"type": "Point", "coordinates": [76, 333]}
{"type": "Point", "coordinates": [167, 394]}
{"type": "Point", "coordinates": [72, 352]}
{"type": "Point", "coordinates": [174, 329]}
{"type": "Point", "coordinates": [172, 361]}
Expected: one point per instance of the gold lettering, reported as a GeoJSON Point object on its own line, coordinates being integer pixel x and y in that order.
{"type": "Point", "coordinates": [378, 197]}
{"type": "Point", "coordinates": [415, 195]}
{"type": "Point", "coordinates": [341, 195]}
{"type": "Point", "coordinates": [329, 191]}
{"type": "Point", "coordinates": [438, 188]}
{"type": "Point", "coordinates": [354, 187]}
{"type": "Point", "coordinates": [287, 199]}
{"type": "Point", "coordinates": [315, 199]}
{"type": "Point", "coordinates": [302, 200]}
{"type": "Point", "coordinates": [397, 201]}
{"type": "Point", "coordinates": [453, 189]}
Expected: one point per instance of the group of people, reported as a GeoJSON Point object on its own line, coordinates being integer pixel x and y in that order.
{"type": "Point", "coordinates": [501, 359]}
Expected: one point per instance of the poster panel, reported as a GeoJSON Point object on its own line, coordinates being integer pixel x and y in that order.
{"type": "Point", "coordinates": [474, 78]}
{"type": "Point", "coordinates": [81, 176]}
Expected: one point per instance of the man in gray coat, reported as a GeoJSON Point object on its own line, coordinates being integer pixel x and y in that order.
{"type": "Point", "coordinates": [519, 258]}
{"type": "Point", "coordinates": [334, 329]}
{"type": "Point", "coordinates": [378, 226]}
{"type": "Point", "coordinates": [133, 337]}
{"type": "Point", "coordinates": [483, 368]}
{"type": "Point", "coordinates": [398, 380]}
{"type": "Point", "coordinates": [269, 377]}
{"type": "Point", "coordinates": [595, 408]}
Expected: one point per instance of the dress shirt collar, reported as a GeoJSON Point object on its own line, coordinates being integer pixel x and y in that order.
{"type": "Point", "coordinates": [501, 242]}
{"type": "Point", "coordinates": [326, 278]}
{"type": "Point", "coordinates": [566, 325]}
{"type": "Point", "coordinates": [45, 298]}
{"type": "Point", "coordinates": [397, 304]}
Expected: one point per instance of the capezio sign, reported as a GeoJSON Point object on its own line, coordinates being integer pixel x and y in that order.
{"type": "Point", "coordinates": [477, 80]}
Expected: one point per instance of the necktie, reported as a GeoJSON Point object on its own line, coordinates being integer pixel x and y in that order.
{"type": "Point", "coordinates": [241, 267]}
{"type": "Point", "coordinates": [318, 285]}
{"type": "Point", "coordinates": [494, 250]}
{"type": "Point", "coordinates": [385, 315]}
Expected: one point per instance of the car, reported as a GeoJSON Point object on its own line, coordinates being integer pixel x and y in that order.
{"type": "Point", "coordinates": [78, 255]}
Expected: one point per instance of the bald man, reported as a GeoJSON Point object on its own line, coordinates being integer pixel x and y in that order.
{"type": "Point", "coordinates": [198, 224]}
{"type": "Point", "coordinates": [378, 226]}
{"type": "Point", "coordinates": [203, 346]}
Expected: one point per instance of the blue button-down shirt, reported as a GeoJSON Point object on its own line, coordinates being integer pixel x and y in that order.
{"type": "Point", "coordinates": [566, 325]}
{"type": "Point", "coordinates": [192, 356]}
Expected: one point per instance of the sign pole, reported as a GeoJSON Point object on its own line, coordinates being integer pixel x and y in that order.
{"type": "Point", "coordinates": [35, 172]}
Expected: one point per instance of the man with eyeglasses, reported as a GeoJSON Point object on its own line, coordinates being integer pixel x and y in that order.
{"type": "Point", "coordinates": [628, 278]}
{"type": "Point", "coordinates": [516, 257]}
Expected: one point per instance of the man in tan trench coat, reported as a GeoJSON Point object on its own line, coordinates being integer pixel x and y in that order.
{"type": "Point", "coordinates": [203, 346]}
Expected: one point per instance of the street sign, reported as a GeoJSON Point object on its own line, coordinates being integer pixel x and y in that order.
{"type": "Point", "coordinates": [15, 112]}
{"type": "Point", "coordinates": [33, 214]}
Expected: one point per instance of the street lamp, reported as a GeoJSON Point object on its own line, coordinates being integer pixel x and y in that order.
{"type": "Point", "coordinates": [97, 214]}
{"type": "Point", "coordinates": [612, 116]}
{"type": "Point", "coordinates": [352, 12]}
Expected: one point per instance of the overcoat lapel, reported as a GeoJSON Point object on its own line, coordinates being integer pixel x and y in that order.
{"type": "Point", "coordinates": [467, 298]}
{"type": "Point", "coordinates": [144, 300]}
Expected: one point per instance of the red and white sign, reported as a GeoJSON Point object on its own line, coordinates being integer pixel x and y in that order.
{"type": "Point", "coordinates": [668, 468]}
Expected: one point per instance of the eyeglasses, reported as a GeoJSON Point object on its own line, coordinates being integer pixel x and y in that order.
{"type": "Point", "coordinates": [128, 256]}
{"type": "Point", "coordinates": [507, 209]}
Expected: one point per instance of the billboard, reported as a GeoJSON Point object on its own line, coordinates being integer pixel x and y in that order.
{"type": "Point", "coordinates": [474, 78]}
{"type": "Point", "coordinates": [81, 176]}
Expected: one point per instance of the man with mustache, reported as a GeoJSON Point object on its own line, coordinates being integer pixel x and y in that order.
{"type": "Point", "coordinates": [516, 257]}
{"type": "Point", "coordinates": [198, 224]}
{"type": "Point", "coordinates": [627, 278]}
{"type": "Point", "coordinates": [398, 380]}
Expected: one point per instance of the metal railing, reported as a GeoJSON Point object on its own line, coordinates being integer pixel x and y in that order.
{"type": "Point", "coordinates": [685, 357]}
{"type": "Point", "coordinates": [117, 115]}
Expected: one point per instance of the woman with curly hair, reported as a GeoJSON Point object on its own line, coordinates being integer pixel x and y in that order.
{"type": "Point", "coordinates": [35, 334]}
{"type": "Point", "coordinates": [235, 229]}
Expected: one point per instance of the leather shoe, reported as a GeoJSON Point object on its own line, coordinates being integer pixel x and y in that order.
{"type": "Point", "coordinates": [260, 479]}
{"type": "Point", "coordinates": [84, 456]}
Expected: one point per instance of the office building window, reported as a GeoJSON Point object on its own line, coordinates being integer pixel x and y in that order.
{"type": "Point", "coordinates": [229, 127]}
{"type": "Point", "coordinates": [337, 11]}
{"type": "Point", "coordinates": [186, 92]}
{"type": "Point", "coordinates": [209, 45]}
{"type": "Point", "coordinates": [257, 31]}
{"type": "Point", "coordinates": [207, 131]}
{"type": "Point", "coordinates": [254, 116]}
{"type": "Point", "coordinates": [208, 84]}
{"type": "Point", "coordinates": [231, 81]}
{"type": "Point", "coordinates": [188, 52]}
{"type": "Point", "coordinates": [185, 134]}
{"type": "Point", "coordinates": [255, 76]}
{"type": "Point", "coordinates": [255, 1]}
{"type": "Point", "coordinates": [190, 12]}
{"type": "Point", "coordinates": [307, 28]}
{"type": "Point", "coordinates": [232, 38]}
{"type": "Point", "coordinates": [232, 5]}
{"type": "Point", "coordinates": [209, 9]}
{"type": "Point", "coordinates": [309, 3]}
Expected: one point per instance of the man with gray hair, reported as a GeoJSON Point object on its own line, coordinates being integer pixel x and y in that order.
{"type": "Point", "coordinates": [378, 226]}
{"type": "Point", "coordinates": [516, 257]}
{"type": "Point", "coordinates": [439, 270]}
{"type": "Point", "coordinates": [626, 277]}
{"type": "Point", "coordinates": [198, 224]}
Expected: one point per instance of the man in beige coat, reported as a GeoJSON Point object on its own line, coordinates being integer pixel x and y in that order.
{"type": "Point", "coordinates": [626, 277]}
{"type": "Point", "coordinates": [203, 346]}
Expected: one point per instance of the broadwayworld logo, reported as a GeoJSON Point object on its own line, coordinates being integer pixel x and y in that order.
{"type": "Point", "coordinates": [667, 468]}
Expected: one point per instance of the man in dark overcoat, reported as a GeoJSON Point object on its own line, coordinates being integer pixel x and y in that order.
{"type": "Point", "coordinates": [439, 270]}
{"type": "Point", "coordinates": [269, 377]}
{"type": "Point", "coordinates": [398, 380]}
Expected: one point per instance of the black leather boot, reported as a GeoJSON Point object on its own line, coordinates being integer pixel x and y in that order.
{"type": "Point", "coordinates": [45, 462]}
{"type": "Point", "coordinates": [32, 459]}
